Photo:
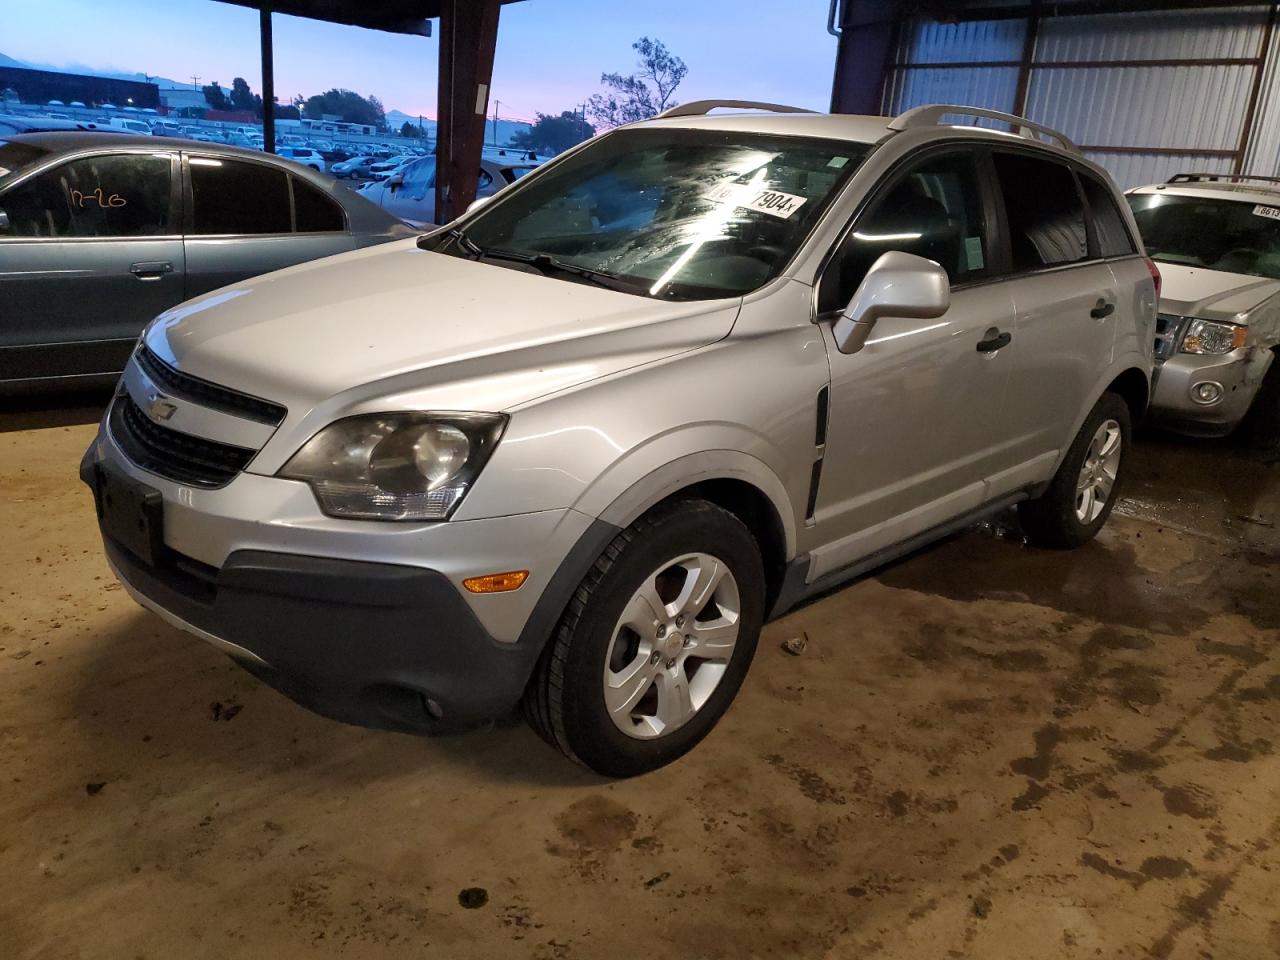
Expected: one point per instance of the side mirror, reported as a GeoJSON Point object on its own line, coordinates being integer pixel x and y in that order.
{"type": "Point", "coordinates": [897, 285]}
{"type": "Point", "coordinates": [395, 182]}
{"type": "Point", "coordinates": [477, 203]}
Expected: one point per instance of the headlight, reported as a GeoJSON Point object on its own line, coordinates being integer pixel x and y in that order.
{"type": "Point", "coordinates": [1210, 337]}
{"type": "Point", "coordinates": [396, 466]}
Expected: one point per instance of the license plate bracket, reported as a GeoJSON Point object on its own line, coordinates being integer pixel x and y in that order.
{"type": "Point", "coordinates": [131, 513]}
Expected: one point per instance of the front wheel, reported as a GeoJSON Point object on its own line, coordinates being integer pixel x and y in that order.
{"type": "Point", "coordinates": [1083, 491]}
{"type": "Point", "coordinates": [655, 643]}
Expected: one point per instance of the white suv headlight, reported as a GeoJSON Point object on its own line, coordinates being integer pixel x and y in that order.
{"type": "Point", "coordinates": [396, 466]}
{"type": "Point", "coordinates": [1211, 337]}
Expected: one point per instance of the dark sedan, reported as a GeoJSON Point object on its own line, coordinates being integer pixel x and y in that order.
{"type": "Point", "coordinates": [99, 232]}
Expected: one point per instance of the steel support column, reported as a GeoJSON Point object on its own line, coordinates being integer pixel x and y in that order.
{"type": "Point", "coordinates": [868, 35]}
{"type": "Point", "coordinates": [268, 81]}
{"type": "Point", "coordinates": [468, 37]}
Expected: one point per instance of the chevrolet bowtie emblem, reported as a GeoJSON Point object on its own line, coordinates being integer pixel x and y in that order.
{"type": "Point", "coordinates": [160, 407]}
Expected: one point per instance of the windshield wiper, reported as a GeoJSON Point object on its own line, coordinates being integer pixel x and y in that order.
{"type": "Point", "coordinates": [549, 266]}
{"type": "Point", "coordinates": [428, 241]}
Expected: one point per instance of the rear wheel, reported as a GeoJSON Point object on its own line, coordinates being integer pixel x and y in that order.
{"type": "Point", "coordinates": [655, 643]}
{"type": "Point", "coordinates": [1083, 491]}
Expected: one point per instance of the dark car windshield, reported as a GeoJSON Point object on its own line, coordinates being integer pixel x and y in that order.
{"type": "Point", "coordinates": [673, 214]}
{"type": "Point", "coordinates": [1235, 236]}
{"type": "Point", "coordinates": [14, 157]}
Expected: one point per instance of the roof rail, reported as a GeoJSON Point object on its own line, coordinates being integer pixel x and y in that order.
{"type": "Point", "coordinates": [1212, 177]}
{"type": "Point", "coordinates": [700, 108]}
{"type": "Point", "coordinates": [932, 114]}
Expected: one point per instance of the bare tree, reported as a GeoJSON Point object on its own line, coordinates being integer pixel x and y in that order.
{"type": "Point", "coordinates": [643, 94]}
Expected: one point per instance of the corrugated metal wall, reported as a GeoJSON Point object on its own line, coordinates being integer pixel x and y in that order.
{"type": "Point", "coordinates": [1189, 116]}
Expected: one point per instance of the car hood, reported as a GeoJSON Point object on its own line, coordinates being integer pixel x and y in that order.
{"type": "Point", "coordinates": [1211, 294]}
{"type": "Point", "coordinates": [395, 325]}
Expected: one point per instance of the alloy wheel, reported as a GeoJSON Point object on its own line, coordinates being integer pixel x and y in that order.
{"type": "Point", "coordinates": [1098, 472]}
{"type": "Point", "coordinates": [671, 646]}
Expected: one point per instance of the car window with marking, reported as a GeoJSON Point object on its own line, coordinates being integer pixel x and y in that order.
{"type": "Point", "coordinates": [1044, 210]}
{"type": "Point", "coordinates": [1234, 236]}
{"type": "Point", "coordinates": [116, 195]}
{"type": "Point", "coordinates": [676, 214]}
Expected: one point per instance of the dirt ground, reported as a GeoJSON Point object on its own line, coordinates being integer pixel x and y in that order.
{"type": "Point", "coordinates": [986, 751]}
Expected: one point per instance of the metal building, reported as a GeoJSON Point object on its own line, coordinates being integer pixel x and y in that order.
{"type": "Point", "coordinates": [1147, 88]}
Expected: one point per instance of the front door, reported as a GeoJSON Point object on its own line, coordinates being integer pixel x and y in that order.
{"type": "Point", "coordinates": [90, 255]}
{"type": "Point", "coordinates": [917, 417]}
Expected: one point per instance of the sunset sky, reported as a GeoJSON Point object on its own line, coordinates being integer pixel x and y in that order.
{"type": "Point", "coordinates": [550, 52]}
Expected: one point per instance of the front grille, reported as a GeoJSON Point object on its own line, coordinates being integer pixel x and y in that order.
{"type": "Point", "coordinates": [1168, 335]}
{"type": "Point", "coordinates": [206, 394]}
{"type": "Point", "coordinates": [177, 456]}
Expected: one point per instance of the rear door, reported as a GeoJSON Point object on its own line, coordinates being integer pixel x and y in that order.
{"type": "Point", "coordinates": [1065, 295]}
{"type": "Point", "coordinates": [91, 254]}
{"type": "Point", "coordinates": [246, 217]}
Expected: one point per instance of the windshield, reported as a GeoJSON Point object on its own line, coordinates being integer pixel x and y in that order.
{"type": "Point", "coordinates": [15, 156]}
{"type": "Point", "coordinates": [1235, 236]}
{"type": "Point", "coordinates": [676, 214]}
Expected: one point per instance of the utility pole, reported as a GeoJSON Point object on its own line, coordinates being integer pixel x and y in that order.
{"type": "Point", "coordinates": [495, 121]}
{"type": "Point", "coordinates": [195, 82]}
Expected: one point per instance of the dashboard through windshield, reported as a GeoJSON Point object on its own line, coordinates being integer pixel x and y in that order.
{"type": "Point", "coordinates": [1235, 236]}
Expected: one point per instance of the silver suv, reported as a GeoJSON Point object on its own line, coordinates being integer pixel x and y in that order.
{"type": "Point", "coordinates": [1217, 240]}
{"type": "Point", "coordinates": [574, 449]}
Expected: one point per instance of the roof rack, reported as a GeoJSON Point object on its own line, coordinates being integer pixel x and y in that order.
{"type": "Point", "coordinates": [931, 115]}
{"type": "Point", "coordinates": [1214, 177]}
{"type": "Point", "coordinates": [700, 108]}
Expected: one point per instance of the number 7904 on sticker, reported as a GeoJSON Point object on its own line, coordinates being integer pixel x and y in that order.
{"type": "Point", "coordinates": [773, 202]}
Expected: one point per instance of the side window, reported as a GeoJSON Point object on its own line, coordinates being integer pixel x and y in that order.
{"type": "Point", "coordinates": [235, 196]}
{"type": "Point", "coordinates": [1044, 209]}
{"type": "Point", "coordinates": [316, 213]}
{"type": "Point", "coordinates": [1113, 237]}
{"type": "Point", "coordinates": [933, 210]}
{"type": "Point", "coordinates": [121, 195]}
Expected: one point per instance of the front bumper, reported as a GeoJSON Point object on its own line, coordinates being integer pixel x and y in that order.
{"type": "Point", "coordinates": [1175, 378]}
{"type": "Point", "coordinates": [382, 636]}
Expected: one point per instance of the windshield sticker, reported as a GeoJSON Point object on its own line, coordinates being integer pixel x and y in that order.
{"type": "Point", "coordinates": [773, 202]}
{"type": "Point", "coordinates": [4, 171]}
{"type": "Point", "coordinates": [838, 162]}
{"type": "Point", "coordinates": [1271, 213]}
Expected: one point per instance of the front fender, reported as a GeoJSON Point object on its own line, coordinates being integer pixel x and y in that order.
{"type": "Point", "coordinates": [633, 484]}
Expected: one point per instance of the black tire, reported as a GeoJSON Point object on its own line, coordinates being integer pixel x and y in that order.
{"type": "Point", "coordinates": [564, 701]}
{"type": "Point", "coordinates": [1050, 520]}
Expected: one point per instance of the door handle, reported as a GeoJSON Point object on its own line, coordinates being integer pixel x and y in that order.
{"type": "Point", "coordinates": [994, 340]}
{"type": "Point", "coordinates": [1102, 310]}
{"type": "Point", "coordinates": [151, 269]}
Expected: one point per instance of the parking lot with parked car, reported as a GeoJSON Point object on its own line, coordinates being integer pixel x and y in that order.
{"type": "Point", "coordinates": [752, 532]}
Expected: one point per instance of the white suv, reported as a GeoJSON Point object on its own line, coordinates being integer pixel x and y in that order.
{"type": "Point", "coordinates": [1217, 239]}
{"type": "Point", "coordinates": [303, 155]}
{"type": "Point", "coordinates": [576, 448]}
